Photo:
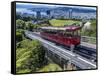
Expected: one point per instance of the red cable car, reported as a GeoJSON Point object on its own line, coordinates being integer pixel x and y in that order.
{"type": "Point", "coordinates": [67, 36]}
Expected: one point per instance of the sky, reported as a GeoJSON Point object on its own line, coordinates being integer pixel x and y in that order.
{"type": "Point", "coordinates": [48, 5]}
{"type": "Point", "coordinates": [22, 7]}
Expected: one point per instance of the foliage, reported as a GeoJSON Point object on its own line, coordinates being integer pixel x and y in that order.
{"type": "Point", "coordinates": [19, 35]}
{"type": "Point", "coordinates": [24, 18]}
{"type": "Point", "coordinates": [20, 24]}
{"type": "Point", "coordinates": [27, 18]}
{"type": "Point", "coordinates": [55, 22]}
{"type": "Point", "coordinates": [18, 16]}
{"type": "Point", "coordinates": [29, 25]}
{"type": "Point", "coordinates": [29, 56]}
{"type": "Point", "coordinates": [92, 31]}
{"type": "Point", "coordinates": [24, 71]}
{"type": "Point", "coordinates": [50, 67]}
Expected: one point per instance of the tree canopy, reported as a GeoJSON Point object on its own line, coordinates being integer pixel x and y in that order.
{"type": "Point", "coordinates": [29, 56]}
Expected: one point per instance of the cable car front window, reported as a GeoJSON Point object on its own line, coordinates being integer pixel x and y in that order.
{"type": "Point", "coordinates": [77, 33]}
{"type": "Point", "coordinates": [71, 34]}
{"type": "Point", "coordinates": [68, 34]}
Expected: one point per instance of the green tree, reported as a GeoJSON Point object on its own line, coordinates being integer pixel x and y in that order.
{"type": "Point", "coordinates": [29, 26]}
{"type": "Point", "coordinates": [29, 56]}
{"type": "Point", "coordinates": [18, 16]}
{"type": "Point", "coordinates": [19, 35]}
{"type": "Point", "coordinates": [28, 18]}
{"type": "Point", "coordinates": [20, 24]}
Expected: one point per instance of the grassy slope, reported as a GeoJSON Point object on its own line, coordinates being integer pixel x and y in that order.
{"type": "Point", "coordinates": [62, 22]}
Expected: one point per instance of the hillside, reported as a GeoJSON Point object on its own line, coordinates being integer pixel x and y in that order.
{"type": "Point", "coordinates": [55, 22]}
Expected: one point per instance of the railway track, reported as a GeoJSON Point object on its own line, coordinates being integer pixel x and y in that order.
{"type": "Point", "coordinates": [87, 53]}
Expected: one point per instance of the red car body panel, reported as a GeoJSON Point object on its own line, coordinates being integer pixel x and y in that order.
{"type": "Point", "coordinates": [61, 39]}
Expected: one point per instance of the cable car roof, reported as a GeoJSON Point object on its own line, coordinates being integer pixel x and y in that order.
{"type": "Point", "coordinates": [67, 28]}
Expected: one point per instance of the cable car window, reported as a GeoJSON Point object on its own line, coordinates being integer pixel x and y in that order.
{"type": "Point", "coordinates": [76, 33]}
{"type": "Point", "coordinates": [51, 32]}
{"type": "Point", "coordinates": [68, 34]}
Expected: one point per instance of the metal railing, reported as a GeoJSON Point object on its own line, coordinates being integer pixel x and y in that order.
{"type": "Point", "coordinates": [88, 39]}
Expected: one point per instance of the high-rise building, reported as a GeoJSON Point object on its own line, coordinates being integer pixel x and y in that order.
{"type": "Point", "coordinates": [38, 14]}
{"type": "Point", "coordinates": [70, 13]}
{"type": "Point", "coordinates": [48, 12]}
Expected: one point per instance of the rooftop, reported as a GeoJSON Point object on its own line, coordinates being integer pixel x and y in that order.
{"type": "Point", "coordinates": [67, 28]}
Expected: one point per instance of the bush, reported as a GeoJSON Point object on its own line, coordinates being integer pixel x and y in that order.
{"type": "Point", "coordinates": [20, 24]}
{"type": "Point", "coordinates": [19, 35]}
